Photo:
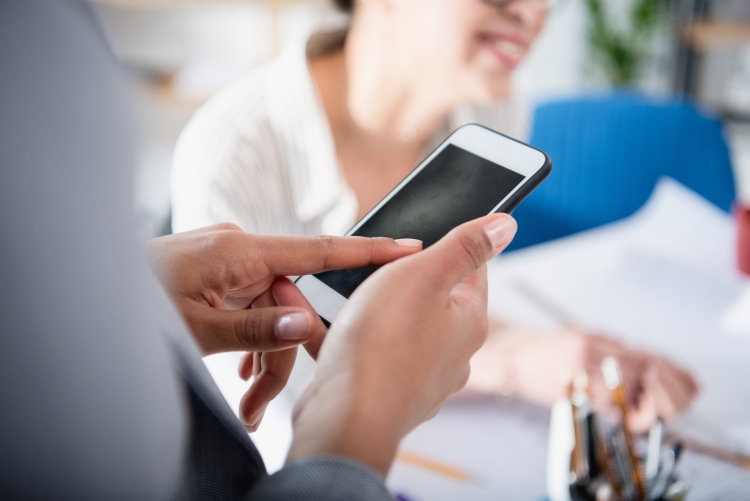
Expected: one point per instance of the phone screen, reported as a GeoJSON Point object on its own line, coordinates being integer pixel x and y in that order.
{"type": "Point", "coordinates": [455, 187]}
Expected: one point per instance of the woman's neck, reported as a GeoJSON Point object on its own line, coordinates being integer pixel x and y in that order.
{"type": "Point", "coordinates": [371, 92]}
{"type": "Point", "coordinates": [386, 94]}
{"type": "Point", "coordinates": [381, 113]}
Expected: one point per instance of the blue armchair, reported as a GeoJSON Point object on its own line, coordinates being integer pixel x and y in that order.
{"type": "Point", "coordinates": [609, 151]}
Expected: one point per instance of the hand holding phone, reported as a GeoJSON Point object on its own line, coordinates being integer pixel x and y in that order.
{"type": "Point", "coordinates": [381, 375]}
{"type": "Point", "coordinates": [474, 172]}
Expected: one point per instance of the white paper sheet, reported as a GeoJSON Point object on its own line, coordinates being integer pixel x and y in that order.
{"type": "Point", "coordinates": [736, 319]}
{"type": "Point", "coordinates": [662, 280]}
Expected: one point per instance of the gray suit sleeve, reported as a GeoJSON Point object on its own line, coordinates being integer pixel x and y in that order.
{"type": "Point", "coordinates": [90, 406]}
{"type": "Point", "coordinates": [91, 403]}
{"type": "Point", "coordinates": [326, 478]}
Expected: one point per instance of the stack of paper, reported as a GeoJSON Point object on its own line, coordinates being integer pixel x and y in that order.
{"type": "Point", "coordinates": [663, 280]}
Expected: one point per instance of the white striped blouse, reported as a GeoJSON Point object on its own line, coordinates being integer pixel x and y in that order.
{"type": "Point", "coordinates": [260, 154]}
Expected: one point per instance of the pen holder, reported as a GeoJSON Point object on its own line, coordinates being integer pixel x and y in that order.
{"type": "Point", "coordinates": [586, 461]}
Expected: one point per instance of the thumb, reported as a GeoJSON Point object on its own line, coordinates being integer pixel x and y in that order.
{"type": "Point", "coordinates": [467, 248]}
{"type": "Point", "coordinates": [257, 329]}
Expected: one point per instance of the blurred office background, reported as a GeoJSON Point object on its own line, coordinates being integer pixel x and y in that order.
{"type": "Point", "coordinates": [662, 88]}
{"type": "Point", "coordinates": [180, 52]}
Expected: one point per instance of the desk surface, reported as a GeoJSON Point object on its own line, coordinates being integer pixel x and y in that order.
{"type": "Point", "coordinates": [655, 282]}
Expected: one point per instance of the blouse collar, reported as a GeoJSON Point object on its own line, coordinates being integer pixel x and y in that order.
{"type": "Point", "coordinates": [305, 141]}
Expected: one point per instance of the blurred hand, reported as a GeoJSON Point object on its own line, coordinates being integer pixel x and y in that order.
{"type": "Point", "coordinates": [537, 368]}
{"type": "Point", "coordinates": [226, 284]}
{"type": "Point", "coordinates": [399, 347]}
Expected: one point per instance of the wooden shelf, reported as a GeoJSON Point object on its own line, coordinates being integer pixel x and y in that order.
{"type": "Point", "coordinates": [717, 35]}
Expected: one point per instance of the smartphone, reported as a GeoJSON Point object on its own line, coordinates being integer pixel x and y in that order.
{"type": "Point", "coordinates": [475, 172]}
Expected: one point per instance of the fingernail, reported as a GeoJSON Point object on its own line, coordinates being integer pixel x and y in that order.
{"type": "Point", "coordinates": [293, 326]}
{"type": "Point", "coordinates": [257, 418]}
{"type": "Point", "coordinates": [501, 231]}
{"type": "Point", "coordinates": [409, 242]}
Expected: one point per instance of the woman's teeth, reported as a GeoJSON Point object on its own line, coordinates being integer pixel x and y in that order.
{"type": "Point", "coordinates": [507, 47]}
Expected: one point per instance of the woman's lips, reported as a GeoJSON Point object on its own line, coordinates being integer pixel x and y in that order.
{"type": "Point", "coordinates": [509, 52]}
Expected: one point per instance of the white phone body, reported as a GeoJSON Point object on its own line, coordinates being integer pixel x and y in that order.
{"type": "Point", "coordinates": [502, 151]}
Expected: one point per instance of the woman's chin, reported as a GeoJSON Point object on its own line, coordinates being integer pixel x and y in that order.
{"type": "Point", "coordinates": [491, 92]}
{"type": "Point", "coordinates": [488, 83]}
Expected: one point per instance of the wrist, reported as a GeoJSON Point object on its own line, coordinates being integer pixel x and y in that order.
{"type": "Point", "coordinates": [337, 421]}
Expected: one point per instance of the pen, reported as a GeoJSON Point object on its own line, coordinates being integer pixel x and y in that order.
{"type": "Point", "coordinates": [613, 381]}
{"type": "Point", "coordinates": [716, 452]}
{"type": "Point", "coordinates": [603, 451]}
{"type": "Point", "coordinates": [654, 450]}
{"type": "Point", "coordinates": [667, 469]}
{"type": "Point", "coordinates": [592, 451]}
{"type": "Point", "coordinates": [581, 409]}
{"type": "Point", "coordinates": [549, 306]}
{"type": "Point", "coordinates": [624, 465]}
{"type": "Point", "coordinates": [432, 465]}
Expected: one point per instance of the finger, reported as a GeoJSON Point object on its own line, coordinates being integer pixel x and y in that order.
{"type": "Point", "coordinates": [264, 300]}
{"type": "Point", "coordinates": [600, 395]}
{"type": "Point", "coordinates": [285, 293]}
{"type": "Point", "coordinates": [257, 357]}
{"type": "Point", "coordinates": [670, 388]}
{"type": "Point", "coordinates": [633, 366]}
{"type": "Point", "coordinates": [465, 249]}
{"type": "Point", "coordinates": [275, 368]}
{"type": "Point", "coordinates": [643, 416]}
{"type": "Point", "coordinates": [261, 329]}
{"type": "Point", "coordinates": [473, 287]}
{"type": "Point", "coordinates": [270, 370]}
{"type": "Point", "coordinates": [470, 297]}
{"type": "Point", "coordinates": [672, 393]}
{"type": "Point", "coordinates": [663, 399]}
{"type": "Point", "coordinates": [285, 255]}
{"type": "Point", "coordinates": [250, 362]}
{"type": "Point", "coordinates": [245, 369]}
{"type": "Point", "coordinates": [217, 227]}
{"type": "Point", "coordinates": [602, 344]}
{"type": "Point", "coordinates": [686, 380]}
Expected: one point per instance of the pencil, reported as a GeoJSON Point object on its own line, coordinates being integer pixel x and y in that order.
{"type": "Point", "coordinates": [613, 381]}
{"type": "Point", "coordinates": [717, 452]}
{"type": "Point", "coordinates": [432, 465]}
{"type": "Point", "coordinates": [545, 303]}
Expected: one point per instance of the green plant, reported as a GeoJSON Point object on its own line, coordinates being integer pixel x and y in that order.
{"type": "Point", "coordinates": [622, 50]}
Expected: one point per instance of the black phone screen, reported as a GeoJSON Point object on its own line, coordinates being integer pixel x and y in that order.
{"type": "Point", "coordinates": [455, 187]}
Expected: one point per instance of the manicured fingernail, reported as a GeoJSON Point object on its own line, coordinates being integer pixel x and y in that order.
{"type": "Point", "coordinates": [293, 326]}
{"type": "Point", "coordinates": [501, 231]}
{"type": "Point", "coordinates": [256, 420]}
{"type": "Point", "coordinates": [257, 423]}
{"type": "Point", "coordinates": [409, 242]}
